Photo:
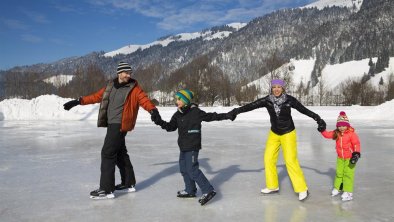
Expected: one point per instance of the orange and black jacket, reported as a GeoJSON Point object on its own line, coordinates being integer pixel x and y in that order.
{"type": "Point", "coordinates": [134, 99]}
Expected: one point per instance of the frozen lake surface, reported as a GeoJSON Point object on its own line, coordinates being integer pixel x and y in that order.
{"type": "Point", "coordinates": [48, 168]}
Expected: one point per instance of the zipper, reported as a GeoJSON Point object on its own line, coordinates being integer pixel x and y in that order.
{"type": "Point", "coordinates": [343, 156]}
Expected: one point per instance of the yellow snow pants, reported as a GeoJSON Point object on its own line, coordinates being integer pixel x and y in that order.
{"type": "Point", "coordinates": [288, 142]}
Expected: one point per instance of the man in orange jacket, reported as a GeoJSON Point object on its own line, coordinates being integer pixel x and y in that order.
{"type": "Point", "coordinates": [119, 102]}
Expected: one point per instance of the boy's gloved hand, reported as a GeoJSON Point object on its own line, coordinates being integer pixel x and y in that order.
{"type": "Point", "coordinates": [232, 114]}
{"type": "Point", "coordinates": [70, 104]}
{"type": "Point", "coordinates": [321, 125]}
{"type": "Point", "coordinates": [355, 157]}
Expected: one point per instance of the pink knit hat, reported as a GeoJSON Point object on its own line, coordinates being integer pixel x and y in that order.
{"type": "Point", "coordinates": [342, 120]}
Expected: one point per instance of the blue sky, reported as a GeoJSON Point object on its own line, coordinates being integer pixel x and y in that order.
{"type": "Point", "coordinates": [43, 31]}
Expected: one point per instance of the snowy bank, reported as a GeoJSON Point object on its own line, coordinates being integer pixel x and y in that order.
{"type": "Point", "coordinates": [50, 107]}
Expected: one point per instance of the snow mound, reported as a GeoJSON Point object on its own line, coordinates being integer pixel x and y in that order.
{"type": "Point", "coordinates": [50, 107]}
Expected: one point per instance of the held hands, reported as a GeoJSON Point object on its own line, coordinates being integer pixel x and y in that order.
{"type": "Point", "coordinates": [155, 116]}
{"type": "Point", "coordinates": [70, 104]}
{"type": "Point", "coordinates": [355, 157]}
{"type": "Point", "coordinates": [321, 125]}
{"type": "Point", "coordinates": [232, 114]}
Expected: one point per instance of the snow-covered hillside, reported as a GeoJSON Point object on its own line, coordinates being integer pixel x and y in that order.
{"type": "Point", "coordinates": [207, 35]}
{"type": "Point", "coordinates": [333, 75]}
{"type": "Point", "coordinates": [341, 3]}
{"type": "Point", "coordinates": [59, 80]}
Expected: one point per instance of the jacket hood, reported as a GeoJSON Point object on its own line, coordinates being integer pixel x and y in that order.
{"type": "Point", "coordinates": [119, 85]}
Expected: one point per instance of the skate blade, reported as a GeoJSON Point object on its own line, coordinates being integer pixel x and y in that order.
{"type": "Point", "coordinates": [270, 193]}
{"type": "Point", "coordinates": [186, 197]}
{"type": "Point", "coordinates": [129, 190]}
{"type": "Point", "coordinates": [102, 198]}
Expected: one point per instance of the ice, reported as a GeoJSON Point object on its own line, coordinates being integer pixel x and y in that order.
{"type": "Point", "coordinates": [48, 168]}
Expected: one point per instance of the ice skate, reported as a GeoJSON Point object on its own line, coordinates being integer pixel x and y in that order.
{"type": "Point", "coordinates": [184, 194]}
{"type": "Point", "coordinates": [206, 197]}
{"type": "Point", "coordinates": [303, 195]}
{"type": "Point", "coordinates": [101, 194]}
{"type": "Point", "coordinates": [120, 188]}
{"type": "Point", "coordinates": [335, 192]}
{"type": "Point", "coordinates": [269, 191]}
{"type": "Point", "coordinates": [346, 196]}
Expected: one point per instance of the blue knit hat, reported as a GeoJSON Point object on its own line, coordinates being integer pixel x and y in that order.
{"type": "Point", "coordinates": [185, 95]}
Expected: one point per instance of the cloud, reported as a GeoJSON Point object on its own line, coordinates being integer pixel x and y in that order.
{"type": "Point", "coordinates": [57, 41]}
{"type": "Point", "coordinates": [68, 8]}
{"type": "Point", "coordinates": [31, 38]}
{"type": "Point", "coordinates": [36, 17]}
{"type": "Point", "coordinates": [176, 15]}
{"type": "Point", "coordinates": [15, 24]}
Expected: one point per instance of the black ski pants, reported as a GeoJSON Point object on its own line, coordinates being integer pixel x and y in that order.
{"type": "Point", "coordinates": [114, 152]}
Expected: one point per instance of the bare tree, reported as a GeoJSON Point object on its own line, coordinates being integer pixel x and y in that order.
{"type": "Point", "coordinates": [85, 81]}
{"type": "Point", "coordinates": [149, 77]}
{"type": "Point", "coordinates": [244, 93]}
{"type": "Point", "coordinates": [367, 94]}
{"type": "Point", "coordinates": [272, 63]}
{"type": "Point", "coordinates": [25, 85]}
{"type": "Point", "coordinates": [322, 89]}
{"type": "Point", "coordinates": [225, 90]}
{"type": "Point", "coordinates": [390, 87]}
{"type": "Point", "coordinates": [299, 91]}
{"type": "Point", "coordinates": [212, 83]}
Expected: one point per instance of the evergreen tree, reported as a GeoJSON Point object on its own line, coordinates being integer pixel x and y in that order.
{"type": "Point", "coordinates": [371, 65]}
{"type": "Point", "coordinates": [381, 81]}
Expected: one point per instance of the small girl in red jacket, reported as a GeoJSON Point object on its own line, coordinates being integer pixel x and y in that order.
{"type": "Point", "coordinates": [348, 150]}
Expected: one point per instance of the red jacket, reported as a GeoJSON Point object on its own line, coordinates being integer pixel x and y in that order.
{"type": "Point", "coordinates": [134, 100]}
{"type": "Point", "coordinates": [346, 144]}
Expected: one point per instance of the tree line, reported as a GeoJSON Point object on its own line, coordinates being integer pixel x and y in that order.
{"type": "Point", "coordinates": [210, 85]}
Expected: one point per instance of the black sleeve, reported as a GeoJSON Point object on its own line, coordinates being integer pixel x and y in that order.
{"type": "Point", "coordinates": [302, 109]}
{"type": "Point", "coordinates": [208, 117]}
{"type": "Point", "coordinates": [253, 105]}
{"type": "Point", "coordinates": [170, 126]}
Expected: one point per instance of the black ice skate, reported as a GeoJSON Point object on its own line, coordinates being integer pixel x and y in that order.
{"type": "Point", "coordinates": [206, 197]}
{"type": "Point", "coordinates": [101, 194]}
{"type": "Point", "coordinates": [124, 189]}
{"type": "Point", "coordinates": [184, 194]}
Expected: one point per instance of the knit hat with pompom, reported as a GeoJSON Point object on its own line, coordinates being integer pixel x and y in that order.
{"type": "Point", "coordinates": [342, 120]}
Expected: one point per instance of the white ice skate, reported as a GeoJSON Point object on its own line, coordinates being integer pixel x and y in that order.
{"type": "Point", "coordinates": [269, 191]}
{"type": "Point", "coordinates": [346, 196]}
{"type": "Point", "coordinates": [303, 195]}
{"type": "Point", "coordinates": [335, 192]}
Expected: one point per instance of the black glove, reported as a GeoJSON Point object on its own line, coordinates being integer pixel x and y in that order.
{"type": "Point", "coordinates": [232, 114]}
{"type": "Point", "coordinates": [155, 116]}
{"type": "Point", "coordinates": [355, 157]}
{"type": "Point", "coordinates": [321, 125]}
{"type": "Point", "coordinates": [70, 104]}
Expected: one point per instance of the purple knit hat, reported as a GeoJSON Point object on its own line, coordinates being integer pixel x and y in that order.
{"type": "Point", "coordinates": [278, 82]}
